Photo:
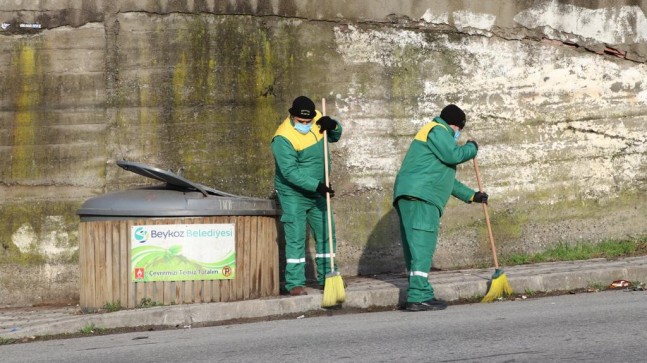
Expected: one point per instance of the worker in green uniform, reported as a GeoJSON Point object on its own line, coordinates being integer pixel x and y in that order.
{"type": "Point", "coordinates": [299, 180]}
{"type": "Point", "coordinates": [423, 185]}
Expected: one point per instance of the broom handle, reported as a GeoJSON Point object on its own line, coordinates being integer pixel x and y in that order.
{"type": "Point", "coordinates": [487, 215]}
{"type": "Point", "coordinates": [325, 135]}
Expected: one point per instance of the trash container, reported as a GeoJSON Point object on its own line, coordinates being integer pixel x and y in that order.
{"type": "Point", "coordinates": [177, 242]}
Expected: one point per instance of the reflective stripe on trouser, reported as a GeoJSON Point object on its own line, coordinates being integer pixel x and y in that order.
{"type": "Point", "coordinates": [299, 211]}
{"type": "Point", "coordinates": [419, 232]}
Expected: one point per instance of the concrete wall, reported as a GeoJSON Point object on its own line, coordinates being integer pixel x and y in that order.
{"type": "Point", "coordinates": [554, 92]}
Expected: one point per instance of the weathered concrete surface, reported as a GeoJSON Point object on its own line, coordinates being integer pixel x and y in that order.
{"type": "Point", "coordinates": [554, 93]}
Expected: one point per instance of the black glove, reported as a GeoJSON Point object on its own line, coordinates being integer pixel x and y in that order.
{"type": "Point", "coordinates": [480, 197]}
{"type": "Point", "coordinates": [475, 144]}
{"type": "Point", "coordinates": [326, 124]}
{"type": "Point", "coordinates": [322, 189]}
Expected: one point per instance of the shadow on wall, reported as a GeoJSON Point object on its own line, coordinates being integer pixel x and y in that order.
{"type": "Point", "coordinates": [382, 254]}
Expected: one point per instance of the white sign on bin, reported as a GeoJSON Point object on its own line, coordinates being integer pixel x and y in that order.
{"type": "Point", "coordinates": [183, 252]}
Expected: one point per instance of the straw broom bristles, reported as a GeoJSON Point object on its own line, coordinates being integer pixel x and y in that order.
{"type": "Point", "coordinates": [334, 293]}
{"type": "Point", "coordinates": [499, 287]}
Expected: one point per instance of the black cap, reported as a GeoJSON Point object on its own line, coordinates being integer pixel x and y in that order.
{"type": "Point", "coordinates": [453, 115]}
{"type": "Point", "coordinates": [303, 107]}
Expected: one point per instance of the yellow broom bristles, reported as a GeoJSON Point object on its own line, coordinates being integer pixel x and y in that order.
{"type": "Point", "coordinates": [334, 293]}
{"type": "Point", "coordinates": [499, 287]}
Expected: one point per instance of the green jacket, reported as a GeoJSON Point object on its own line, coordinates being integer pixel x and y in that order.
{"type": "Point", "coordinates": [299, 158]}
{"type": "Point", "coordinates": [428, 171]}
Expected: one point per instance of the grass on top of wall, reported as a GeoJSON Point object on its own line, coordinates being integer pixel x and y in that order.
{"type": "Point", "coordinates": [571, 252]}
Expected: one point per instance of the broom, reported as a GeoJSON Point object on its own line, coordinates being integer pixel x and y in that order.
{"type": "Point", "coordinates": [499, 287]}
{"type": "Point", "coordinates": [334, 293]}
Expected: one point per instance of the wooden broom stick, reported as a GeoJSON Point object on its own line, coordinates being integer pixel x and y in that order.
{"type": "Point", "coordinates": [487, 215]}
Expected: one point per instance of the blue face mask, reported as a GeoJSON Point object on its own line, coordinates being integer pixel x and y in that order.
{"type": "Point", "coordinates": [457, 134]}
{"type": "Point", "coordinates": [303, 128]}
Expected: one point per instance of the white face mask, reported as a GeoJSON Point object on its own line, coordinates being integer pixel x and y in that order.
{"type": "Point", "coordinates": [303, 128]}
{"type": "Point", "coordinates": [457, 134]}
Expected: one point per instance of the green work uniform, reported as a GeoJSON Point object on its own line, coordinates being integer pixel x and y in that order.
{"type": "Point", "coordinates": [299, 162]}
{"type": "Point", "coordinates": [422, 188]}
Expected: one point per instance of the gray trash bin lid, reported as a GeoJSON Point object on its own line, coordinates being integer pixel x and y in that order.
{"type": "Point", "coordinates": [177, 197]}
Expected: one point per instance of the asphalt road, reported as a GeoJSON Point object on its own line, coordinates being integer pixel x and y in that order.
{"type": "Point", "coordinates": [603, 327]}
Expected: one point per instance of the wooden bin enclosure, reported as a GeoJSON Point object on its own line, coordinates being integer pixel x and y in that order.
{"type": "Point", "coordinates": [105, 246]}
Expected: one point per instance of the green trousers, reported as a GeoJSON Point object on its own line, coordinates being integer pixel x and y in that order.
{"type": "Point", "coordinates": [299, 211]}
{"type": "Point", "coordinates": [419, 223]}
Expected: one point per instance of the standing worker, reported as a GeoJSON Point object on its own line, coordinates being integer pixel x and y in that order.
{"type": "Point", "coordinates": [423, 185]}
{"type": "Point", "coordinates": [298, 151]}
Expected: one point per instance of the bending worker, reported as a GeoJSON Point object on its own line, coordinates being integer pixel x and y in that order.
{"type": "Point", "coordinates": [299, 180]}
{"type": "Point", "coordinates": [422, 188]}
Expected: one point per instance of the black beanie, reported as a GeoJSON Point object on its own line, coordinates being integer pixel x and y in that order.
{"type": "Point", "coordinates": [303, 107]}
{"type": "Point", "coordinates": [453, 115]}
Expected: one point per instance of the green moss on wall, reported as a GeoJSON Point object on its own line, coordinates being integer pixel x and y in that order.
{"type": "Point", "coordinates": [36, 217]}
{"type": "Point", "coordinates": [510, 225]}
{"type": "Point", "coordinates": [216, 105]}
{"type": "Point", "coordinates": [407, 81]}
{"type": "Point", "coordinates": [571, 204]}
{"type": "Point", "coordinates": [506, 225]}
{"type": "Point", "coordinates": [373, 225]}
{"type": "Point", "coordinates": [25, 81]}
{"type": "Point", "coordinates": [179, 81]}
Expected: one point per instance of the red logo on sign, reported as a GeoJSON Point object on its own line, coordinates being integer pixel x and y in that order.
{"type": "Point", "coordinates": [226, 271]}
{"type": "Point", "coordinates": [139, 273]}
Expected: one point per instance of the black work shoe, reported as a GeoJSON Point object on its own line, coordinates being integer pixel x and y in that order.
{"type": "Point", "coordinates": [433, 304]}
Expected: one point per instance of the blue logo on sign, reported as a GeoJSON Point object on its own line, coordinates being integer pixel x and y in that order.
{"type": "Point", "coordinates": [141, 235]}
